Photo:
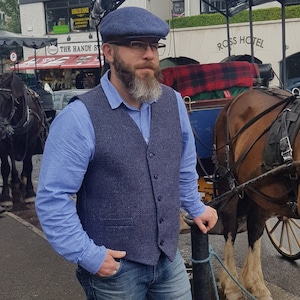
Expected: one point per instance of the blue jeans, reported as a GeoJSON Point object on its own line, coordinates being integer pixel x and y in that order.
{"type": "Point", "coordinates": [133, 281]}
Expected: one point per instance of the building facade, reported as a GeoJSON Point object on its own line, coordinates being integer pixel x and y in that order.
{"type": "Point", "coordinates": [77, 49]}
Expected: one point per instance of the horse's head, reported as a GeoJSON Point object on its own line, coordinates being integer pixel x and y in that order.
{"type": "Point", "coordinates": [11, 87]}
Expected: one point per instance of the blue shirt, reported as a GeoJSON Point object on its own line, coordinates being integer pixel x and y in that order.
{"type": "Point", "coordinates": [69, 148]}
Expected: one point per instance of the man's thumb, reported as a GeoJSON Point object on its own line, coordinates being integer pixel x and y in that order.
{"type": "Point", "coordinates": [117, 254]}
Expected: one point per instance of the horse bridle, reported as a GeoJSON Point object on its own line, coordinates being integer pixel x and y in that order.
{"type": "Point", "coordinates": [24, 120]}
{"type": "Point", "coordinates": [12, 111]}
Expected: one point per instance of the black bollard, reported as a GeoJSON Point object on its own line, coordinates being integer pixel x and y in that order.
{"type": "Point", "coordinates": [201, 282]}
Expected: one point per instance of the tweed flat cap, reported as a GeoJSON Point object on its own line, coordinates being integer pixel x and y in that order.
{"type": "Point", "coordinates": [131, 23]}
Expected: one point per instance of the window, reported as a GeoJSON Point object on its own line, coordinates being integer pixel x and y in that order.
{"type": "Point", "coordinates": [215, 5]}
{"type": "Point", "coordinates": [178, 8]}
{"type": "Point", "coordinates": [66, 16]}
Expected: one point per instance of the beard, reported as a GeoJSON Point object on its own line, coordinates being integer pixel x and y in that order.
{"type": "Point", "coordinates": [143, 89]}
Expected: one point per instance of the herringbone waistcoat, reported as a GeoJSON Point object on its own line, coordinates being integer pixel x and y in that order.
{"type": "Point", "coordinates": [129, 198]}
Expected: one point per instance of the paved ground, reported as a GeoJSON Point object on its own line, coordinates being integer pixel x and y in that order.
{"type": "Point", "coordinates": [30, 269]}
{"type": "Point", "coordinates": [282, 278]}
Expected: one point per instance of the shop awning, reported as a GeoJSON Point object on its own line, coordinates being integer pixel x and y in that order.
{"type": "Point", "coordinates": [84, 61]}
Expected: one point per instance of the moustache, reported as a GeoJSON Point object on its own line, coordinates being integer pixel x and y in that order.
{"type": "Point", "coordinates": [147, 66]}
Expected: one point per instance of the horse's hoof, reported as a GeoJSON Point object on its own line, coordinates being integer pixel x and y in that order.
{"type": "Point", "coordinates": [6, 204]}
{"type": "Point", "coordinates": [29, 200]}
{"type": "Point", "coordinates": [234, 296]}
{"type": "Point", "coordinates": [2, 210]}
{"type": "Point", "coordinates": [263, 297]}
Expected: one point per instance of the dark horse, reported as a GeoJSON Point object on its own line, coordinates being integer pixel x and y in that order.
{"type": "Point", "coordinates": [22, 130]}
{"type": "Point", "coordinates": [257, 168]}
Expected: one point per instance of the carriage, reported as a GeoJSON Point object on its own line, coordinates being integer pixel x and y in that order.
{"type": "Point", "coordinates": [210, 91]}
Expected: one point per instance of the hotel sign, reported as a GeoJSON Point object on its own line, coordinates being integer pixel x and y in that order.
{"type": "Point", "coordinates": [255, 41]}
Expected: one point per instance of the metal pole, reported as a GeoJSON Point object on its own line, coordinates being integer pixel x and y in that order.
{"type": "Point", "coordinates": [284, 71]}
{"type": "Point", "coordinates": [35, 68]}
{"type": "Point", "coordinates": [201, 282]}
{"type": "Point", "coordinates": [228, 35]}
{"type": "Point", "coordinates": [201, 272]}
{"type": "Point", "coordinates": [1, 60]}
{"type": "Point", "coordinates": [228, 30]}
{"type": "Point", "coordinates": [251, 30]}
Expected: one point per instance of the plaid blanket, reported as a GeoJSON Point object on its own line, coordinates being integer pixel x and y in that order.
{"type": "Point", "coordinates": [190, 80]}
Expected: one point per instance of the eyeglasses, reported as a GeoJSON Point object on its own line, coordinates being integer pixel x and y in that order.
{"type": "Point", "coordinates": [139, 47]}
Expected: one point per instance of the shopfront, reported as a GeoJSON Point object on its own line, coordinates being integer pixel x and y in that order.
{"type": "Point", "coordinates": [60, 71]}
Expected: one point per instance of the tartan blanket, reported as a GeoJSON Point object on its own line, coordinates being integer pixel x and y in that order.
{"type": "Point", "coordinates": [193, 79]}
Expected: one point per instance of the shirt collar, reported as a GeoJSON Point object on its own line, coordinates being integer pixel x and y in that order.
{"type": "Point", "coordinates": [114, 98]}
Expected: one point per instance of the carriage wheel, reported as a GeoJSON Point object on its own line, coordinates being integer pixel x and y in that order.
{"type": "Point", "coordinates": [284, 234]}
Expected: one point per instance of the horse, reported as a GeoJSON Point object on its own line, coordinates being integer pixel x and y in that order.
{"type": "Point", "coordinates": [256, 157]}
{"type": "Point", "coordinates": [23, 130]}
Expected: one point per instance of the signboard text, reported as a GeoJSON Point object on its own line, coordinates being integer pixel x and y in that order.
{"type": "Point", "coordinates": [258, 42]}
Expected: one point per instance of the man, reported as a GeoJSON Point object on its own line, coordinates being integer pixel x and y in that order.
{"type": "Point", "coordinates": [79, 80]}
{"type": "Point", "coordinates": [127, 150]}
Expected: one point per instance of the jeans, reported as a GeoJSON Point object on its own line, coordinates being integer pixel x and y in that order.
{"type": "Point", "coordinates": [133, 281]}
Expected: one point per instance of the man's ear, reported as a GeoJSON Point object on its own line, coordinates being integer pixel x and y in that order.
{"type": "Point", "coordinates": [107, 50]}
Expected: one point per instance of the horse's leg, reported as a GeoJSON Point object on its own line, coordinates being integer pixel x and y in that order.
{"type": "Point", "coordinates": [6, 200]}
{"type": "Point", "coordinates": [26, 177]}
{"type": "Point", "coordinates": [15, 180]}
{"type": "Point", "coordinates": [229, 220]}
{"type": "Point", "coordinates": [252, 275]}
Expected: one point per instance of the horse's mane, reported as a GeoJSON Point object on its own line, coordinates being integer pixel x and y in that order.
{"type": "Point", "coordinates": [5, 80]}
{"type": "Point", "coordinates": [14, 82]}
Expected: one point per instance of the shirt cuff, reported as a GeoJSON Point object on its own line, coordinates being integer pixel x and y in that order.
{"type": "Point", "coordinates": [92, 258]}
{"type": "Point", "coordinates": [195, 210]}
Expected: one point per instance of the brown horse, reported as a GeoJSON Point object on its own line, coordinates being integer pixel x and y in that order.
{"type": "Point", "coordinates": [257, 154]}
{"type": "Point", "coordinates": [22, 129]}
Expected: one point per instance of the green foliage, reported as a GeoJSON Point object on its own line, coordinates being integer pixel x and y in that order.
{"type": "Point", "coordinates": [12, 11]}
{"type": "Point", "coordinates": [13, 24]}
{"type": "Point", "coordinates": [268, 14]}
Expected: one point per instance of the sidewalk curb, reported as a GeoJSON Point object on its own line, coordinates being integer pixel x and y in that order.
{"type": "Point", "coordinates": [26, 224]}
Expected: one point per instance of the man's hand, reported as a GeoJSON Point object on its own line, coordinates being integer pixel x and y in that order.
{"type": "Point", "coordinates": [110, 266]}
{"type": "Point", "coordinates": [207, 220]}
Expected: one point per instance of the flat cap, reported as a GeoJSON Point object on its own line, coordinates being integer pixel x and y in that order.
{"type": "Point", "coordinates": [132, 22]}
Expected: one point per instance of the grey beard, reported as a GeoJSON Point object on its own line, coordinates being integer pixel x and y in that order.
{"type": "Point", "coordinates": [141, 89]}
{"type": "Point", "coordinates": [145, 90]}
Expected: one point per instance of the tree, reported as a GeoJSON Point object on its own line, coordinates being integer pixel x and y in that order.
{"type": "Point", "coordinates": [12, 11]}
{"type": "Point", "coordinates": [11, 23]}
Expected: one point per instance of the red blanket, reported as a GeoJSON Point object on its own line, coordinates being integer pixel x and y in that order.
{"type": "Point", "coordinates": [190, 80]}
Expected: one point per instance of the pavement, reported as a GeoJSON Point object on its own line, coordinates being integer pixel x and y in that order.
{"type": "Point", "coordinates": [31, 269]}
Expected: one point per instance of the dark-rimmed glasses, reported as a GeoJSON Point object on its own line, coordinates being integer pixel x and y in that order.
{"type": "Point", "coordinates": [139, 47]}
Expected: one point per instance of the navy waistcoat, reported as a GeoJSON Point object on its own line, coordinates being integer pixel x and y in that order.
{"type": "Point", "coordinates": [129, 198]}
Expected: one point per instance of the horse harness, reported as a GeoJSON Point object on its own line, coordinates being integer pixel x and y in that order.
{"type": "Point", "coordinates": [24, 123]}
{"type": "Point", "coordinates": [6, 121]}
{"type": "Point", "coordinates": [279, 148]}
{"type": "Point", "coordinates": [277, 155]}
{"type": "Point", "coordinates": [281, 137]}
